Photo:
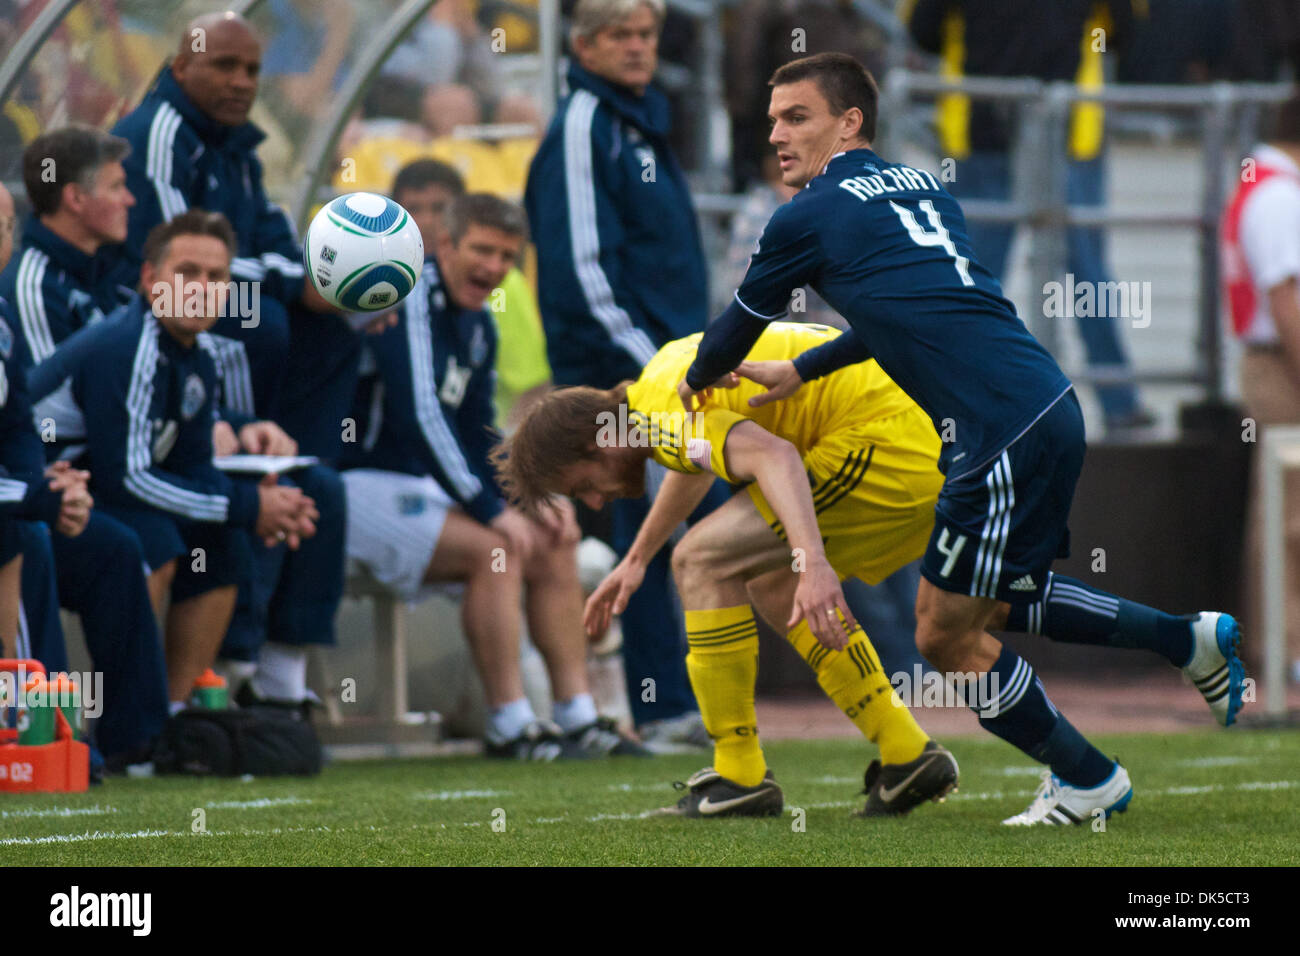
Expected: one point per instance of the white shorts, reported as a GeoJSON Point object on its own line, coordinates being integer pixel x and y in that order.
{"type": "Point", "coordinates": [394, 522]}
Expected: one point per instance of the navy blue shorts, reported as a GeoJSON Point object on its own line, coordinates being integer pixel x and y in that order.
{"type": "Point", "coordinates": [998, 530]}
{"type": "Point", "coordinates": [164, 536]}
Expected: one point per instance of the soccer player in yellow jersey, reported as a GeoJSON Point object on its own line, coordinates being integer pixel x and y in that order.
{"type": "Point", "coordinates": [838, 481]}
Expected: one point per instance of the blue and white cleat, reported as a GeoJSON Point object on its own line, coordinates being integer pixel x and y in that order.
{"type": "Point", "coordinates": [1215, 668]}
{"type": "Point", "coordinates": [1057, 802]}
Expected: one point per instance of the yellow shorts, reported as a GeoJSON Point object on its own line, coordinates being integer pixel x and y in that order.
{"type": "Point", "coordinates": [874, 487]}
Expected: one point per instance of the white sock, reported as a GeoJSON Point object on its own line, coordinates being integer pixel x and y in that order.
{"type": "Point", "coordinates": [578, 711]}
{"type": "Point", "coordinates": [281, 673]}
{"type": "Point", "coordinates": [235, 672]}
{"type": "Point", "coordinates": [509, 720]}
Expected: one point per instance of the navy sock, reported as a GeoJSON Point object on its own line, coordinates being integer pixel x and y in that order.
{"type": "Point", "coordinates": [1016, 708]}
{"type": "Point", "coordinates": [1072, 612]}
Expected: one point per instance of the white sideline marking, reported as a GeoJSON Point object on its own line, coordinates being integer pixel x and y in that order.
{"type": "Point", "coordinates": [80, 837]}
{"type": "Point", "coordinates": [1022, 771]}
{"type": "Point", "coordinates": [57, 812]}
{"type": "Point", "coordinates": [836, 780]}
{"type": "Point", "coordinates": [1215, 761]}
{"type": "Point", "coordinates": [259, 804]}
{"type": "Point", "coordinates": [638, 787]}
{"type": "Point", "coordinates": [1267, 785]}
{"type": "Point", "coordinates": [460, 794]}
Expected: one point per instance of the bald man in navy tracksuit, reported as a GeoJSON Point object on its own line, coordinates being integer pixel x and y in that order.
{"type": "Point", "coordinates": [194, 147]}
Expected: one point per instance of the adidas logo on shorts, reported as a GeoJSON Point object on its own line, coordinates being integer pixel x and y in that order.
{"type": "Point", "coordinates": [1025, 583]}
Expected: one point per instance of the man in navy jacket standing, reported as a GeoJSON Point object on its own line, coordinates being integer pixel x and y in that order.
{"type": "Point", "coordinates": [621, 272]}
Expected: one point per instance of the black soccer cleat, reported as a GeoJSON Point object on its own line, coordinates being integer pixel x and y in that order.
{"type": "Point", "coordinates": [601, 738]}
{"type": "Point", "coordinates": [894, 789]}
{"type": "Point", "coordinates": [713, 795]}
{"type": "Point", "coordinates": [541, 741]}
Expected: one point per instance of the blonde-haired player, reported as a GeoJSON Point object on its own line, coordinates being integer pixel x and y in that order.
{"type": "Point", "coordinates": [841, 481]}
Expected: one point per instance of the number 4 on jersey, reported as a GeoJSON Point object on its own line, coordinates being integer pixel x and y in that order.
{"type": "Point", "coordinates": [938, 238]}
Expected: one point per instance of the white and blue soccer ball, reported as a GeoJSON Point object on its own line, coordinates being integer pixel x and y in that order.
{"type": "Point", "coordinates": [363, 252]}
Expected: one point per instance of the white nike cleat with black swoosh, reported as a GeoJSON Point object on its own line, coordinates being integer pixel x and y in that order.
{"type": "Point", "coordinates": [893, 789]}
{"type": "Point", "coordinates": [709, 794]}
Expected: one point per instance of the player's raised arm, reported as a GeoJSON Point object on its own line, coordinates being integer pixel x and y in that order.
{"type": "Point", "coordinates": [753, 453]}
{"type": "Point", "coordinates": [785, 260]}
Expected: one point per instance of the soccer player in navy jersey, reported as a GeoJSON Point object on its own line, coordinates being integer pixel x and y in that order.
{"type": "Point", "coordinates": [886, 246]}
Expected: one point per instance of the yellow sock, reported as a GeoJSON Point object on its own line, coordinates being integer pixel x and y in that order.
{"type": "Point", "coordinates": [723, 666]}
{"type": "Point", "coordinates": [854, 679]}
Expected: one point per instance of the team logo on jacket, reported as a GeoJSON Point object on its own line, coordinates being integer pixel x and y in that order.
{"type": "Point", "coordinates": [6, 339]}
{"type": "Point", "coordinates": [192, 397]}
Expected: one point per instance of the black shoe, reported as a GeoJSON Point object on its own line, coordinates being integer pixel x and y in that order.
{"type": "Point", "coordinates": [894, 789]}
{"type": "Point", "coordinates": [713, 795]}
{"type": "Point", "coordinates": [601, 738]}
{"type": "Point", "coordinates": [541, 740]}
{"type": "Point", "coordinates": [118, 764]}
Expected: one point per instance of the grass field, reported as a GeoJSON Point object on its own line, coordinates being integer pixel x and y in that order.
{"type": "Point", "coordinates": [1212, 798]}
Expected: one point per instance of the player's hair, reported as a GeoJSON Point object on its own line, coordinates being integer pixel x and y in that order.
{"type": "Point", "coordinates": [557, 431]}
{"type": "Point", "coordinates": [1286, 123]}
{"type": "Point", "coordinates": [484, 209]}
{"type": "Point", "coordinates": [844, 82]}
{"type": "Point", "coordinates": [192, 222]}
{"type": "Point", "coordinates": [73, 154]}
{"type": "Point", "coordinates": [424, 173]}
{"type": "Point", "coordinates": [592, 16]}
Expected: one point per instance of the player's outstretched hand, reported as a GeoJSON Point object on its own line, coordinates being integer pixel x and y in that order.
{"type": "Point", "coordinates": [817, 598]}
{"type": "Point", "coordinates": [611, 597]}
{"type": "Point", "coordinates": [780, 378]}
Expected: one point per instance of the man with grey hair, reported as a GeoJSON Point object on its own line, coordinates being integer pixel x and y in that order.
{"type": "Point", "coordinates": [622, 272]}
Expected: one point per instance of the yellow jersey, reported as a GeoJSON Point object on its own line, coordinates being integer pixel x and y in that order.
{"type": "Point", "coordinates": [848, 399]}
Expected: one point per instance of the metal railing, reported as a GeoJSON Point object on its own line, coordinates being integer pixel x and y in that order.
{"type": "Point", "coordinates": [1038, 191]}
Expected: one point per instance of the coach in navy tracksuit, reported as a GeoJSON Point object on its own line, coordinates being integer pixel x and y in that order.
{"type": "Point", "coordinates": [58, 283]}
{"type": "Point", "coordinates": [149, 397]}
{"type": "Point", "coordinates": [184, 157]}
{"type": "Point", "coordinates": [621, 271]}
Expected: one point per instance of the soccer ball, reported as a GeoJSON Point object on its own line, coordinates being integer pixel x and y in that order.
{"type": "Point", "coordinates": [363, 252]}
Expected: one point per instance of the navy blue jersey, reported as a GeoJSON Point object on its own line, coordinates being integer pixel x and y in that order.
{"type": "Point", "coordinates": [24, 491]}
{"type": "Point", "coordinates": [620, 264]}
{"type": "Point", "coordinates": [180, 159]}
{"type": "Point", "coordinates": [54, 290]}
{"type": "Point", "coordinates": [150, 407]}
{"type": "Point", "coordinates": [429, 410]}
{"type": "Point", "coordinates": [886, 246]}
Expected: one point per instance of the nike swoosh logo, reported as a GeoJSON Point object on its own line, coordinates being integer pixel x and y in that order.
{"type": "Point", "coordinates": [890, 795]}
{"type": "Point", "coordinates": [707, 806]}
